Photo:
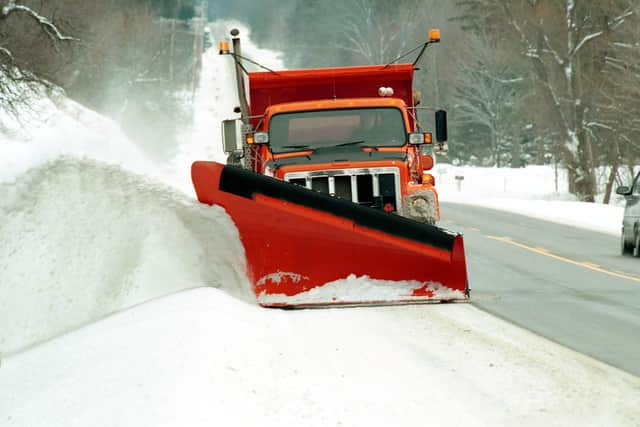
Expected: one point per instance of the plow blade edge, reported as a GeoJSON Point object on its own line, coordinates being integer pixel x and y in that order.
{"type": "Point", "coordinates": [305, 248]}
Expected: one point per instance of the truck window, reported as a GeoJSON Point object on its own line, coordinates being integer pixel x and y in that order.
{"type": "Point", "coordinates": [372, 127]}
{"type": "Point", "coordinates": [636, 186]}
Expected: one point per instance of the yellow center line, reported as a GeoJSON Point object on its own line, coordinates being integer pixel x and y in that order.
{"type": "Point", "coordinates": [545, 252]}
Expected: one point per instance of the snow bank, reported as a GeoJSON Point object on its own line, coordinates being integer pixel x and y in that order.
{"type": "Point", "coordinates": [82, 239]}
{"type": "Point", "coordinates": [531, 182]}
{"type": "Point", "coordinates": [202, 358]}
{"type": "Point", "coordinates": [534, 191]}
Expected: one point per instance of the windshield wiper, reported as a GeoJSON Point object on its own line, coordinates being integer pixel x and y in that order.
{"type": "Point", "coordinates": [344, 144]}
{"type": "Point", "coordinates": [297, 147]}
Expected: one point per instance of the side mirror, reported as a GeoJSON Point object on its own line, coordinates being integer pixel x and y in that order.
{"type": "Point", "coordinates": [231, 140]}
{"type": "Point", "coordinates": [441, 126]}
{"type": "Point", "coordinates": [623, 190]}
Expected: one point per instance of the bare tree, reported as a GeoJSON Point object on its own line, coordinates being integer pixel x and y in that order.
{"type": "Point", "coordinates": [18, 78]}
{"type": "Point", "coordinates": [618, 105]}
{"type": "Point", "coordinates": [47, 26]}
{"type": "Point", "coordinates": [489, 98]}
{"type": "Point", "coordinates": [377, 32]}
{"type": "Point", "coordinates": [120, 67]}
{"type": "Point", "coordinates": [564, 42]}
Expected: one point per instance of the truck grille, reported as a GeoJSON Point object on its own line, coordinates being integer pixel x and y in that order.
{"type": "Point", "coordinates": [375, 187]}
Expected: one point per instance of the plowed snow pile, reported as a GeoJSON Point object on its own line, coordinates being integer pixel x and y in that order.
{"type": "Point", "coordinates": [82, 239]}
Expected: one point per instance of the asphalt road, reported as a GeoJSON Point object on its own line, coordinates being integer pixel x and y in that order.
{"type": "Point", "coordinates": [567, 284]}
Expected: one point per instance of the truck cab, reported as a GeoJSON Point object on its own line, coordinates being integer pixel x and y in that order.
{"type": "Point", "coordinates": [351, 132]}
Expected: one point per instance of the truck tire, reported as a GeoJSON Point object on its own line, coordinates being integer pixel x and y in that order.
{"type": "Point", "coordinates": [625, 248]}
{"type": "Point", "coordinates": [636, 246]}
{"type": "Point", "coordinates": [421, 207]}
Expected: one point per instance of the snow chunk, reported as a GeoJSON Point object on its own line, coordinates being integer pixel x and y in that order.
{"type": "Point", "coordinates": [280, 277]}
{"type": "Point", "coordinates": [364, 289]}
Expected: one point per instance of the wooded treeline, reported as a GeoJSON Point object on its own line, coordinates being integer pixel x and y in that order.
{"type": "Point", "coordinates": [128, 59]}
{"type": "Point", "coordinates": [524, 81]}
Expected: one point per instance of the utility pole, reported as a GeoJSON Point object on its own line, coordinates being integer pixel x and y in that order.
{"type": "Point", "coordinates": [198, 43]}
{"type": "Point", "coordinates": [172, 49]}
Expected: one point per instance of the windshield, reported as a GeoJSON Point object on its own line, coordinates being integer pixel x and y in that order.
{"type": "Point", "coordinates": [366, 127]}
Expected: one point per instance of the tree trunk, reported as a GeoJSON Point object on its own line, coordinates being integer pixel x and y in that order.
{"type": "Point", "coordinates": [614, 160]}
{"type": "Point", "coordinates": [582, 181]}
{"type": "Point", "coordinates": [579, 142]}
{"type": "Point", "coordinates": [516, 151]}
{"type": "Point", "coordinates": [585, 179]}
{"type": "Point", "coordinates": [494, 144]}
{"type": "Point", "coordinates": [571, 178]}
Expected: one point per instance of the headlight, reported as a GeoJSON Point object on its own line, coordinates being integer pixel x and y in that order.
{"type": "Point", "coordinates": [260, 138]}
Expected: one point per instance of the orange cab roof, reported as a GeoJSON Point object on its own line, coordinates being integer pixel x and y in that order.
{"type": "Point", "coordinates": [340, 83]}
{"type": "Point", "coordinates": [289, 107]}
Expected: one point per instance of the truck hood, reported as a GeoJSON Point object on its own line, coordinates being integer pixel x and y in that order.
{"type": "Point", "coordinates": [334, 156]}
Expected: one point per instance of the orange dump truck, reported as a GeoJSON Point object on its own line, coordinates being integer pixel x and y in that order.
{"type": "Point", "coordinates": [334, 163]}
{"type": "Point", "coordinates": [350, 132]}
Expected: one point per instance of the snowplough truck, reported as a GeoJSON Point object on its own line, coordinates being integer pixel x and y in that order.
{"type": "Point", "coordinates": [327, 180]}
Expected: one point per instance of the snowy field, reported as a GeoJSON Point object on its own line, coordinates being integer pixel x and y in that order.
{"type": "Point", "coordinates": [202, 358]}
{"type": "Point", "coordinates": [124, 302]}
{"type": "Point", "coordinates": [536, 191]}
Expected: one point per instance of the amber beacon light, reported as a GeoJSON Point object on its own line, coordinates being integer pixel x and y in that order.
{"type": "Point", "coordinates": [223, 47]}
{"type": "Point", "coordinates": [434, 35]}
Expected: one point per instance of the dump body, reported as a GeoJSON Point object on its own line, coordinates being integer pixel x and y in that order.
{"type": "Point", "coordinates": [267, 89]}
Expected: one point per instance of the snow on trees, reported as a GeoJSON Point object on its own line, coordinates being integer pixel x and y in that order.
{"type": "Point", "coordinates": [17, 77]}
{"type": "Point", "coordinates": [564, 43]}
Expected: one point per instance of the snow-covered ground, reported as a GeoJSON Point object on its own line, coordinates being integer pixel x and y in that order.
{"type": "Point", "coordinates": [90, 227]}
{"type": "Point", "coordinates": [537, 191]}
{"type": "Point", "coordinates": [202, 358]}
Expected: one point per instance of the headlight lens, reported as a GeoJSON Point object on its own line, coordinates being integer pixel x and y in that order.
{"type": "Point", "coordinates": [261, 138]}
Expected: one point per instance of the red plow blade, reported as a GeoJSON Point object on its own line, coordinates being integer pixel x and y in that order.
{"type": "Point", "coordinates": [305, 248]}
